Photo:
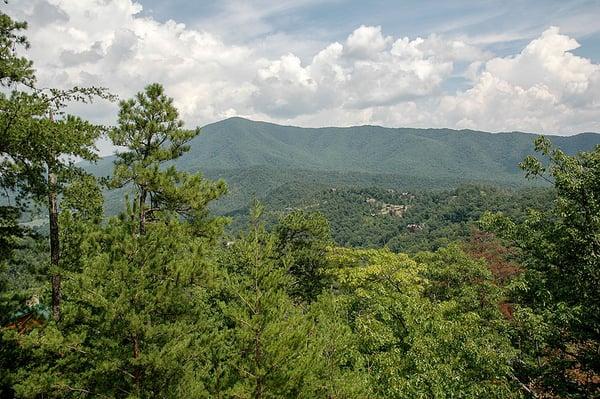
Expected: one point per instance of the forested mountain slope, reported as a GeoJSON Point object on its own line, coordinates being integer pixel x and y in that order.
{"type": "Point", "coordinates": [238, 143]}
{"type": "Point", "coordinates": [255, 158]}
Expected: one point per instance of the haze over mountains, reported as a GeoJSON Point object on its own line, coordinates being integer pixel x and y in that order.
{"type": "Point", "coordinates": [256, 157]}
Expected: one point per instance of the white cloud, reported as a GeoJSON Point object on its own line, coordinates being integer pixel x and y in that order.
{"type": "Point", "coordinates": [366, 42]}
{"type": "Point", "coordinates": [547, 61]}
{"type": "Point", "coordinates": [368, 70]}
{"type": "Point", "coordinates": [544, 88]}
{"type": "Point", "coordinates": [367, 78]}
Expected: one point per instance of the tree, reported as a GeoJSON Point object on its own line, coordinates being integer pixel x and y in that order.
{"type": "Point", "coordinates": [268, 332]}
{"type": "Point", "coordinates": [10, 299]}
{"type": "Point", "coordinates": [39, 142]}
{"type": "Point", "coordinates": [136, 320]}
{"type": "Point", "coordinates": [13, 68]}
{"type": "Point", "coordinates": [558, 314]}
{"type": "Point", "coordinates": [279, 349]}
{"type": "Point", "coordinates": [304, 237]}
{"type": "Point", "coordinates": [150, 128]}
{"type": "Point", "coordinates": [26, 153]}
{"type": "Point", "coordinates": [417, 344]}
{"type": "Point", "coordinates": [455, 276]}
{"type": "Point", "coordinates": [81, 214]}
{"type": "Point", "coordinates": [55, 141]}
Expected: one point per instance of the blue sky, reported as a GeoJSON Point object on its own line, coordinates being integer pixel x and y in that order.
{"type": "Point", "coordinates": [485, 65]}
{"type": "Point", "coordinates": [504, 26]}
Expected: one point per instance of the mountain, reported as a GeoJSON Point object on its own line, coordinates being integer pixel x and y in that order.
{"type": "Point", "coordinates": [256, 157]}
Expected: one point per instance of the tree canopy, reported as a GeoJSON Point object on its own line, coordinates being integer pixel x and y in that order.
{"type": "Point", "coordinates": [370, 293]}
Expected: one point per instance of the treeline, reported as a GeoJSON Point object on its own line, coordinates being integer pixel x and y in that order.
{"type": "Point", "coordinates": [157, 302]}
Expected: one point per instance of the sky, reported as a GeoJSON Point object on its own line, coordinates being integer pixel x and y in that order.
{"type": "Point", "coordinates": [486, 65]}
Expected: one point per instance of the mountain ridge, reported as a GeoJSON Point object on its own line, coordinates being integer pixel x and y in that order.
{"type": "Point", "coordinates": [241, 118]}
{"type": "Point", "coordinates": [257, 157]}
{"type": "Point", "coordinates": [237, 143]}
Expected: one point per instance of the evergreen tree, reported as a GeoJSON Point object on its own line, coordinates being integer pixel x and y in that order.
{"type": "Point", "coordinates": [268, 332]}
{"type": "Point", "coordinates": [46, 166]}
{"type": "Point", "coordinates": [150, 129]}
{"type": "Point", "coordinates": [304, 237]}
{"type": "Point", "coordinates": [136, 321]}
{"type": "Point", "coordinates": [38, 141]}
{"type": "Point", "coordinates": [81, 214]}
{"type": "Point", "coordinates": [13, 68]}
{"type": "Point", "coordinates": [11, 299]}
{"type": "Point", "coordinates": [278, 350]}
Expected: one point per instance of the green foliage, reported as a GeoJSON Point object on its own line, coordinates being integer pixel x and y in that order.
{"type": "Point", "coordinates": [83, 198]}
{"type": "Point", "coordinates": [278, 349]}
{"type": "Point", "coordinates": [37, 138]}
{"type": "Point", "coordinates": [438, 218]}
{"type": "Point", "coordinates": [416, 342]}
{"type": "Point", "coordinates": [304, 237]}
{"type": "Point", "coordinates": [238, 143]}
{"type": "Point", "coordinates": [10, 231]}
{"type": "Point", "coordinates": [559, 317]}
{"type": "Point", "coordinates": [10, 299]}
{"type": "Point", "coordinates": [154, 306]}
{"type": "Point", "coordinates": [455, 276]}
{"type": "Point", "coordinates": [13, 68]}
{"type": "Point", "coordinates": [39, 141]}
{"type": "Point", "coordinates": [260, 159]}
{"type": "Point", "coordinates": [82, 212]}
{"type": "Point", "coordinates": [269, 333]}
{"type": "Point", "coordinates": [134, 322]}
{"type": "Point", "coordinates": [150, 128]}
{"type": "Point", "coordinates": [20, 265]}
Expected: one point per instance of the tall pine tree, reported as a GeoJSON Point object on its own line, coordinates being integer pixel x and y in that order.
{"type": "Point", "coordinates": [136, 321]}
{"type": "Point", "coordinates": [279, 349]}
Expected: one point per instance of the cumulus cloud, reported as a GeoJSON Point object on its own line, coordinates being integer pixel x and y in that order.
{"type": "Point", "coordinates": [366, 78]}
{"type": "Point", "coordinates": [544, 88]}
{"type": "Point", "coordinates": [368, 70]}
{"type": "Point", "coordinates": [366, 42]}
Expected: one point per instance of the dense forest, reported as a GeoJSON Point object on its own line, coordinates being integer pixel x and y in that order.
{"type": "Point", "coordinates": [326, 292]}
{"type": "Point", "coordinates": [403, 221]}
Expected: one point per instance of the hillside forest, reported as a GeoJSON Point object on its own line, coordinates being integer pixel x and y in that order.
{"type": "Point", "coordinates": [139, 283]}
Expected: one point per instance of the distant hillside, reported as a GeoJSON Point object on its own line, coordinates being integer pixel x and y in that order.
{"type": "Point", "coordinates": [404, 221]}
{"type": "Point", "coordinates": [256, 157]}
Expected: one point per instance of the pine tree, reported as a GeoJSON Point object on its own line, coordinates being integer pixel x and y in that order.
{"type": "Point", "coordinates": [14, 69]}
{"type": "Point", "coordinates": [304, 237]}
{"type": "Point", "coordinates": [38, 141]}
{"type": "Point", "coordinates": [11, 299]}
{"type": "Point", "coordinates": [150, 128]}
{"type": "Point", "coordinates": [278, 349]}
{"type": "Point", "coordinates": [136, 322]}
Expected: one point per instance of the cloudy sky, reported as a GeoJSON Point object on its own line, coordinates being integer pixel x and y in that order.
{"type": "Point", "coordinates": [488, 65]}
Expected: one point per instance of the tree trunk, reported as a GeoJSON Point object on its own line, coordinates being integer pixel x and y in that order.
{"type": "Point", "coordinates": [54, 243]}
{"type": "Point", "coordinates": [137, 372]}
{"type": "Point", "coordinates": [142, 205]}
{"type": "Point", "coordinates": [258, 389]}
